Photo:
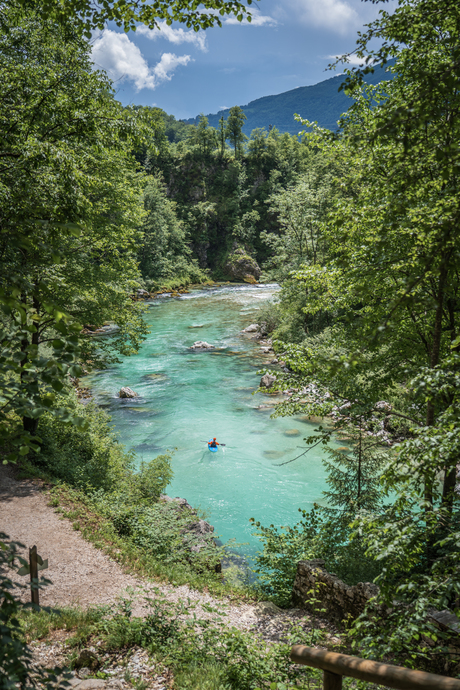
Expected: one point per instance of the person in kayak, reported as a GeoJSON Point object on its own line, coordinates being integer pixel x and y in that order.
{"type": "Point", "coordinates": [213, 443]}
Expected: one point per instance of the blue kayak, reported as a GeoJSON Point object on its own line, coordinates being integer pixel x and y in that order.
{"type": "Point", "coordinates": [213, 450]}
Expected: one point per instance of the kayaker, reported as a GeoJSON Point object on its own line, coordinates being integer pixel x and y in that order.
{"type": "Point", "coordinates": [213, 443]}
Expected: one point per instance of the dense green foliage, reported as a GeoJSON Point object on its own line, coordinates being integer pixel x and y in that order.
{"type": "Point", "coordinates": [222, 198]}
{"type": "Point", "coordinates": [70, 217]}
{"type": "Point", "coordinates": [368, 327]}
{"type": "Point", "coordinates": [87, 16]}
{"type": "Point", "coordinates": [164, 253]}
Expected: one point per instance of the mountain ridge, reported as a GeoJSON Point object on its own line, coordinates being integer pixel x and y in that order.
{"type": "Point", "coordinates": [321, 102]}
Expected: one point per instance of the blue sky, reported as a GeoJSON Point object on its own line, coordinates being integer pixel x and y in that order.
{"type": "Point", "coordinates": [288, 44]}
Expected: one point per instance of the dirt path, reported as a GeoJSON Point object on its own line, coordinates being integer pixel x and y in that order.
{"type": "Point", "coordinates": [81, 574]}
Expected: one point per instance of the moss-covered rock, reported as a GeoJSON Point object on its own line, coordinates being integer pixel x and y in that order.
{"type": "Point", "coordinates": [239, 265]}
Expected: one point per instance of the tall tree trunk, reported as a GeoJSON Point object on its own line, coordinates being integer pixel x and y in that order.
{"type": "Point", "coordinates": [448, 489]}
{"type": "Point", "coordinates": [435, 355]}
{"type": "Point", "coordinates": [29, 424]}
{"type": "Point", "coordinates": [360, 460]}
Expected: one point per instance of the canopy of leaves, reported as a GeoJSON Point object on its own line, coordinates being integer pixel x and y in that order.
{"type": "Point", "coordinates": [71, 211]}
{"type": "Point", "coordinates": [89, 16]}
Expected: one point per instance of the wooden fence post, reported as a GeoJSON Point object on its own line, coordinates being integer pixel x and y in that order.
{"type": "Point", "coordinates": [33, 564]}
{"type": "Point", "coordinates": [331, 681]}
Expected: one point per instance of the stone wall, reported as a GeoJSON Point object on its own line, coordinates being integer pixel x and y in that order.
{"type": "Point", "coordinates": [340, 601]}
{"type": "Point", "coordinates": [345, 603]}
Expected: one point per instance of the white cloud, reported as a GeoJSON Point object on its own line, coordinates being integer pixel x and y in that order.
{"type": "Point", "coordinates": [177, 36]}
{"type": "Point", "coordinates": [122, 59]}
{"type": "Point", "coordinates": [351, 60]}
{"type": "Point", "coordinates": [164, 70]}
{"type": "Point", "coordinates": [336, 15]}
{"type": "Point", "coordinates": [258, 19]}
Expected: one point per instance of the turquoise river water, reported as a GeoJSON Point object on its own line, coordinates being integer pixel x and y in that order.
{"type": "Point", "coordinates": [186, 397]}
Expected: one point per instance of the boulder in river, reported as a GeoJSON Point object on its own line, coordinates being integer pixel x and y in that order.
{"type": "Point", "coordinates": [267, 381]}
{"type": "Point", "coordinates": [239, 265]}
{"type": "Point", "coordinates": [202, 345]}
{"type": "Point", "coordinates": [126, 392]}
{"type": "Point", "coordinates": [253, 328]}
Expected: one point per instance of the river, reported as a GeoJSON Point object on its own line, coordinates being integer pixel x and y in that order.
{"type": "Point", "coordinates": [186, 397]}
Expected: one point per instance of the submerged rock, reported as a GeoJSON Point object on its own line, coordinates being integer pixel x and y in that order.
{"type": "Point", "coordinates": [156, 377]}
{"type": "Point", "coordinates": [126, 392]}
{"type": "Point", "coordinates": [202, 345]}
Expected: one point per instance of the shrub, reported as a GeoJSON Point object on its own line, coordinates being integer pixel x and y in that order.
{"type": "Point", "coordinates": [89, 458]}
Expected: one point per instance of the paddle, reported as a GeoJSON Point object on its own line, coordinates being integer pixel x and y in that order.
{"type": "Point", "coordinates": [220, 444]}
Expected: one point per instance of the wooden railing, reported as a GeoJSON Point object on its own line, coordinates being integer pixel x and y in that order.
{"type": "Point", "coordinates": [336, 666]}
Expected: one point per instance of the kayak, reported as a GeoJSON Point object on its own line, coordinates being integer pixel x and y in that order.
{"type": "Point", "coordinates": [212, 450]}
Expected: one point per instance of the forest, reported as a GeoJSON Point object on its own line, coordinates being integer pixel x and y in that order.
{"type": "Point", "coordinates": [359, 227]}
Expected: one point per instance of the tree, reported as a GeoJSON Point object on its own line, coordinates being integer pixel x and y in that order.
{"type": "Point", "coordinates": [221, 136]}
{"type": "Point", "coordinates": [204, 136]}
{"type": "Point", "coordinates": [302, 211]}
{"type": "Point", "coordinates": [390, 279]}
{"type": "Point", "coordinates": [70, 216]}
{"type": "Point", "coordinates": [89, 16]}
{"type": "Point", "coordinates": [164, 253]}
{"type": "Point", "coordinates": [234, 129]}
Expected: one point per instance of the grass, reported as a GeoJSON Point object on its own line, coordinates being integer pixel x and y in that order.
{"type": "Point", "coordinates": [207, 677]}
{"type": "Point", "coordinates": [100, 531]}
{"type": "Point", "coordinates": [199, 656]}
{"type": "Point", "coordinates": [38, 625]}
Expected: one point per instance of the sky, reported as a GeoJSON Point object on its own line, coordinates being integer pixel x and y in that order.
{"type": "Point", "coordinates": [289, 43]}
